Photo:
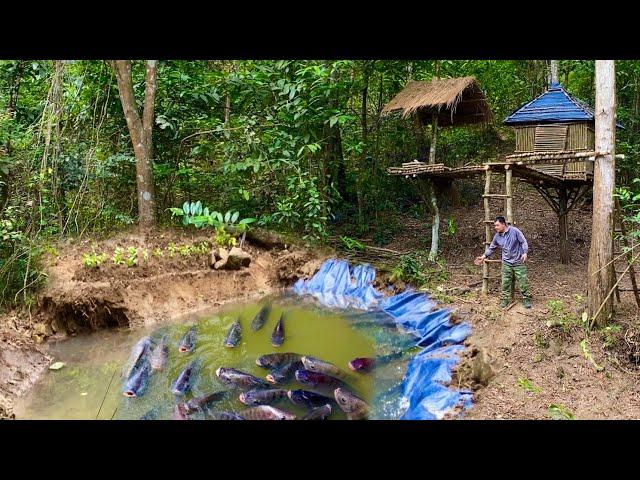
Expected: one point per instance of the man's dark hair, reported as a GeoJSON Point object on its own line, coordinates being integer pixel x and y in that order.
{"type": "Point", "coordinates": [501, 219]}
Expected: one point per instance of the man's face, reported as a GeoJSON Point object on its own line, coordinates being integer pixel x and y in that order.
{"type": "Point", "coordinates": [500, 227]}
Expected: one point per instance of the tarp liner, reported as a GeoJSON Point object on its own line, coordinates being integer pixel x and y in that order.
{"type": "Point", "coordinates": [424, 388]}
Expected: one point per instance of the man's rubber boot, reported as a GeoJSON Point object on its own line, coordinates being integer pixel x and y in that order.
{"type": "Point", "coordinates": [527, 303]}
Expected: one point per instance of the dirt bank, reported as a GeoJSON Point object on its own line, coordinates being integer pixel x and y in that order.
{"type": "Point", "coordinates": [175, 281]}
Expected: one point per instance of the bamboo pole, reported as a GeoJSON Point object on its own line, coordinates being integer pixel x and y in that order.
{"type": "Point", "coordinates": [487, 230]}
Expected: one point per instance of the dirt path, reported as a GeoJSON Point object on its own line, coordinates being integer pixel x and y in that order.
{"type": "Point", "coordinates": [78, 299]}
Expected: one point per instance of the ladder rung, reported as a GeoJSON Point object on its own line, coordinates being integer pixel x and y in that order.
{"type": "Point", "coordinates": [491, 278]}
{"type": "Point", "coordinates": [626, 290]}
{"type": "Point", "coordinates": [496, 195]}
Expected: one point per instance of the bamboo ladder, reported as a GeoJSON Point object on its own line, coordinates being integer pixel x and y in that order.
{"type": "Point", "coordinates": [488, 221]}
{"type": "Point", "coordinates": [620, 228]}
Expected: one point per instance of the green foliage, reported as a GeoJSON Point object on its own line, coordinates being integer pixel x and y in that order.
{"type": "Point", "coordinates": [559, 318]}
{"type": "Point", "coordinates": [528, 385]}
{"type": "Point", "coordinates": [93, 260]}
{"type": "Point", "coordinates": [119, 256]}
{"type": "Point", "coordinates": [157, 252]}
{"type": "Point", "coordinates": [132, 257]}
{"type": "Point", "coordinates": [450, 228]}
{"type": "Point", "coordinates": [223, 239]}
{"type": "Point", "coordinates": [352, 243]}
{"type": "Point", "coordinates": [559, 412]}
{"type": "Point", "coordinates": [609, 335]}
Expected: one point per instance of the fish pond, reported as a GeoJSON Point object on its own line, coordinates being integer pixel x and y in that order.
{"type": "Point", "coordinates": [92, 382]}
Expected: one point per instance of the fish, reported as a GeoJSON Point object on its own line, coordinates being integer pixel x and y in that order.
{"type": "Point", "coordinates": [188, 342]}
{"type": "Point", "coordinates": [182, 384]}
{"type": "Point", "coordinates": [201, 402]}
{"type": "Point", "coordinates": [136, 384]}
{"type": "Point", "coordinates": [262, 396]}
{"type": "Point", "coordinates": [320, 413]}
{"type": "Point", "coordinates": [261, 318]}
{"type": "Point", "coordinates": [160, 354]}
{"type": "Point", "coordinates": [138, 354]}
{"type": "Point", "coordinates": [307, 398]}
{"type": "Point", "coordinates": [320, 366]}
{"type": "Point", "coordinates": [315, 379]}
{"type": "Point", "coordinates": [224, 416]}
{"type": "Point", "coordinates": [283, 373]}
{"type": "Point", "coordinates": [234, 335]}
{"type": "Point", "coordinates": [266, 412]}
{"type": "Point", "coordinates": [366, 364]}
{"type": "Point", "coordinates": [276, 359]}
{"type": "Point", "coordinates": [237, 378]}
{"type": "Point", "coordinates": [277, 337]}
{"type": "Point", "coordinates": [180, 412]}
{"type": "Point", "coordinates": [352, 405]}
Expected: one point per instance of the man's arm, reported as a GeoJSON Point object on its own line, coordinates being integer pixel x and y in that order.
{"type": "Point", "coordinates": [525, 245]}
{"type": "Point", "coordinates": [488, 251]}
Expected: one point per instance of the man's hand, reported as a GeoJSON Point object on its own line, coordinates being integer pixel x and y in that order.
{"type": "Point", "coordinates": [524, 257]}
{"type": "Point", "coordinates": [479, 260]}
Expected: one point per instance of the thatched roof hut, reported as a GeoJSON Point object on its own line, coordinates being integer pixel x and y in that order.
{"type": "Point", "coordinates": [457, 101]}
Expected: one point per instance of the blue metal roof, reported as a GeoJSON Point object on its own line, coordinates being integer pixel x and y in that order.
{"type": "Point", "coordinates": [554, 105]}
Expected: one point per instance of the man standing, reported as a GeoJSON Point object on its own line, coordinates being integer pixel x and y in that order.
{"type": "Point", "coordinates": [514, 255]}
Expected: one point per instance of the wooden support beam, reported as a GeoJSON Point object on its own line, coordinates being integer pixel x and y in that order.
{"type": "Point", "coordinates": [487, 228]}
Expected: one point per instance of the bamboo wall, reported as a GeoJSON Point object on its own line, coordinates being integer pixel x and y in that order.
{"type": "Point", "coordinates": [580, 137]}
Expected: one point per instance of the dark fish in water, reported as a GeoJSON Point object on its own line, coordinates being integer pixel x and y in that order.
{"type": "Point", "coordinates": [353, 406]}
{"type": "Point", "coordinates": [365, 364]}
{"type": "Point", "coordinates": [136, 384]}
{"type": "Point", "coordinates": [277, 337]}
{"type": "Point", "coordinates": [315, 379]}
{"type": "Point", "coordinates": [320, 366]}
{"type": "Point", "coordinates": [283, 373]}
{"type": "Point", "coordinates": [234, 335]}
{"type": "Point", "coordinates": [159, 356]}
{"type": "Point", "coordinates": [261, 318]}
{"type": "Point", "coordinates": [200, 402]}
{"type": "Point", "coordinates": [320, 413]}
{"type": "Point", "coordinates": [266, 412]}
{"type": "Point", "coordinates": [138, 354]}
{"type": "Point", "coordinates": [224, 416]}
{"type": "Point", "coordinates": [276, 359]}
{"type": "Point", "coordinates": [307, 398]}
{"type": "Point", "coordinates": [188, 342]}
{"type": "Point", "coordinates": [231, 376]}
{"type": "Point", "coordinates": [182, 384]}
{"type": "Point", "coordinates": [262, 396]}
{"type": "Point", "coordinates": [180, 412]}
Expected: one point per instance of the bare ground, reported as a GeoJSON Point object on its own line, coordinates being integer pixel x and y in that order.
{"type": "Point", "coordinates": [78, 299]}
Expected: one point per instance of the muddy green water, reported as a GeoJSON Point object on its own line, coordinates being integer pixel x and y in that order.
{"type": "Point", "coordinates": [90, 385]}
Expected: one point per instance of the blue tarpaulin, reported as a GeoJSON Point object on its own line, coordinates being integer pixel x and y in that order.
{"type": "Point", "coordinates": [424, 388]}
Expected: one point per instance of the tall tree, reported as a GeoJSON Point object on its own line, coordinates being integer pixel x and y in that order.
{"type": "Point", "coordinates": [600, 278]}
{"type": "Point", "coordinates": [140, 131]}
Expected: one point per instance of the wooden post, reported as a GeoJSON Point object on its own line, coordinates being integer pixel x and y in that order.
{"type": "Point", "coordinates": [563, 225]}
{"type": "Point", "coordinates": [554, 71]}
{"type": "Point", "coordinates": [599, 274]}
{"type": "Point", "coordinates": [487, 229]}
{"type": "Point", "coordinates": [508, 190]}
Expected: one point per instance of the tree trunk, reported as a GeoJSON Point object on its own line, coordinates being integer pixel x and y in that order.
{"type": "Point", "coordinates": [435, 226]}
{"type": "Point", "coordinates": [601, 253]}
{"type": "Point", "coordinates": [140, 137]}
{"type": "Point", "coordinates": [554, 72]}
{"type": "Point", "coordinates": [334, 159]}
{"type": "Point", "coordinates": [365, 140]}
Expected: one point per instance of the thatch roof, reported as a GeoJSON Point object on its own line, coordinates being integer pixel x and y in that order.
{"type": "Point", "coordinates": [456, 100]}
